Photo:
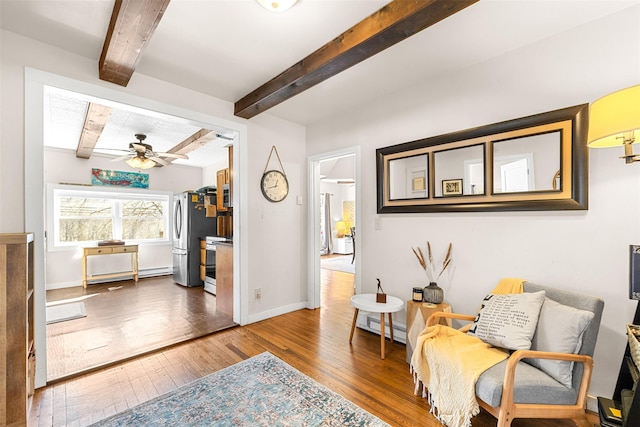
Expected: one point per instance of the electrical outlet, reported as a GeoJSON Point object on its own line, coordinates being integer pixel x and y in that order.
{"type": "Point", "coordinates": [258, 294]}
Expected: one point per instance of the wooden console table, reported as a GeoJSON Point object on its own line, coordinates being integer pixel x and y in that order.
{"type": "Point", "coordinates": [110, 250]}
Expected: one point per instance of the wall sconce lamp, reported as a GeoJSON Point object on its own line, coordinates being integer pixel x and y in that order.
{"type": "Point", "coordinates": [615, 120]}
{"type": "Point", "coordinates": [277, 5]}
{"type": "Point", "coordinates": [141, 162]}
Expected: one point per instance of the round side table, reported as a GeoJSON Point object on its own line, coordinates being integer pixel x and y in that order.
{"type": "Point", "coordinates": [367, 302]}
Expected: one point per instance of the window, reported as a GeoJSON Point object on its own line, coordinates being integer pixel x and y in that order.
{"type": "Point", "coordinates": [85, 217]}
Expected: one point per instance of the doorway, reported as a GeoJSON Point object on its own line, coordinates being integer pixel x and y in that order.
{"type": "Point", "coordinates": [334, 215]}
{"type": "Point", "coordinates": [36, 83]}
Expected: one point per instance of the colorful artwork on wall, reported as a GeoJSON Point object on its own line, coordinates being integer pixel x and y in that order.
{"type": "Point", "coordinates": [119, 178]}
{"type": "Point", "coordinates": [349, 213]}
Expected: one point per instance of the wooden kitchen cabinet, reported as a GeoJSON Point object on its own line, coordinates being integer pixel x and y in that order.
{"type": "Point", "coordinates": [222, 178]}
{"type": "Point", "coordinates": [203, 259]}
{"type": "Point", "coordinates": [224, 279]}
{"type": "Point", "coordinates": [17, 355]}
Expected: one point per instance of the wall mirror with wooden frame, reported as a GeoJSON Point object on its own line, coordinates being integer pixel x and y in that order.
{"type": "Point", "coordinates": [538, 162]}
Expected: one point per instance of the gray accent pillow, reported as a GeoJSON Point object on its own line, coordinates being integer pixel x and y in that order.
{"type": "Point", "coordinates": [560, 330]}
{"type": "Point", "coordinates": [508, 320]}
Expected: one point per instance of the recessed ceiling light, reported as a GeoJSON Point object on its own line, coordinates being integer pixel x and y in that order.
{"type": "Point", "coordinates": [277, 5]}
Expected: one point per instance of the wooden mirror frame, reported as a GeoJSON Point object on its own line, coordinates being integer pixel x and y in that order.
{"type": "Point", "coordinates": [572, 122]}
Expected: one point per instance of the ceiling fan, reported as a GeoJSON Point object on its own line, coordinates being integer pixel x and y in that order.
{"type": "Point", "coordinates": [142, 156]}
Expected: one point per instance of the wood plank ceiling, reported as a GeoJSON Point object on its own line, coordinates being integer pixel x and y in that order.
{"type": "Point", "coordinates": [134, 21]}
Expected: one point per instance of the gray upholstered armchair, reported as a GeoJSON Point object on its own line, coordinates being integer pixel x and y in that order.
{"type": "Point", "coordinates": [515, 388]}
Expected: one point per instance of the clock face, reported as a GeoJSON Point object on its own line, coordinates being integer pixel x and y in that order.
{"type": "Point", "coordinates": [274, 185]}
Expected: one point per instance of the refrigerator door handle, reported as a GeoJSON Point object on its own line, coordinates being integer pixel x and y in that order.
{"type": "Point", "coordinates": [178, 218]}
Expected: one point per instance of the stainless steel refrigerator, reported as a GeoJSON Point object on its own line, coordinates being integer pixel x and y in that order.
{"type": "Point", "coordinates": [190, 224]}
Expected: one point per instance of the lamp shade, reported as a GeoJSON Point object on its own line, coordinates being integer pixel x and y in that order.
{"type": "Point", "coordinates": [341, 228]}
{"type": "Point", "coordinates": [613, 115]}
{"type": "Point", "coordinates": [139, 162]}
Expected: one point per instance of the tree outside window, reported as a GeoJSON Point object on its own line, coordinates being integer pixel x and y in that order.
{"type": "Point", "coordinates": [82, 216]}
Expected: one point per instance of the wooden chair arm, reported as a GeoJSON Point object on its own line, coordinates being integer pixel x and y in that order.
{"type": "Point", "coordinates": [512, 362]}
{"type": "Point", "coordinates": [433, 319]}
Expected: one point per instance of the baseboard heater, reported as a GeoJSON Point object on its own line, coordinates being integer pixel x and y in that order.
{"type": "Point", "coordinates": [371, 322]}
{"type": "Point", "coordinates": [143, 273]}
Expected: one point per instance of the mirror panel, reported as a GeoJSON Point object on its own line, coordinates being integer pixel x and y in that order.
{"type": "Point", "coordinates": [530, 163]}
{"type": "Point", "coordinates": [409, 178]}
{"type": "Point", "coordinates": [538, 162]}
{"type": "Point", "coordinates": [459, 171]}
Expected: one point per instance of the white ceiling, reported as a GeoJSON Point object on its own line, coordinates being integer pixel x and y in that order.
{"type": "Point", "coordinates": [227, 48]}
{"type": "Point", "coordinates": [64, 118]}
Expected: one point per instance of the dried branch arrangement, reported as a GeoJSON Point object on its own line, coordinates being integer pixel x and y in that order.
{"type": "Point", "coordinates": [428, 264]}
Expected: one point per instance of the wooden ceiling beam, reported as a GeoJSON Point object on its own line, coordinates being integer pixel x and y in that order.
{"type": "Point", "coordinates": [94, 121]}
{"type": "Point", "coordinates": [132, 25]}
{"type": "Point", "coordinates": [192, 143]}
{"type": "Point", "coordinates": [393, 23]}
{"type": "Point", "coordinates": [195, 141]}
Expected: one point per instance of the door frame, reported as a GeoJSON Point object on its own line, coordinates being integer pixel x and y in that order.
{"type": "Point", "coordinates": [35, 82]}
{"type": "Point", "coordinates": [313, 212]}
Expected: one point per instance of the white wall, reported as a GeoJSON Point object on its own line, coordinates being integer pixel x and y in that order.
{"type": "Point", "coordinates": [584, 251]}
{"type": "Point", "coordinates": [277, 252]}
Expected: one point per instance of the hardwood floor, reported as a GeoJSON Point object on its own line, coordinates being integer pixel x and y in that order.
{"type": "Point", "coordinates": [132, 319]}
{"type": "Point", "coordinates": [316, 342]}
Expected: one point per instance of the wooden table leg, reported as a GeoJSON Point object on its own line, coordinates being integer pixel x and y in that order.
{"type": "Point", "coordinates": [134, 265]}
{"type": "Point", "coordinates": [382, 337]}
{"type": "Point", "coordinates": [391, 328]}
{"type": "Point", "coordinates": [353, 324]}
{"type": "Point", "coordinates": [84, 270]}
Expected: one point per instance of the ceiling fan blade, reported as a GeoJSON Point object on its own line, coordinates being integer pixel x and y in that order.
{"type": "Point", "coordinates": [122, 150]}
{"type": "Point", "coordinates": [138, 147]}
{"type": "Point", "coordinates": [173, 155]}
{"type": "Point", "coordinates": [159, 160]}
{"type": "Point", "coordinates": [117, 159]}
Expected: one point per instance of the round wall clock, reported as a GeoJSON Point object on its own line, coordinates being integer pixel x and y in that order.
{"type": "Point", "coordinates": [274, 185]}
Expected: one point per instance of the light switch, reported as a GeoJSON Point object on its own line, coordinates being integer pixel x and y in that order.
{"type": "Point", "coordinates": [299, 200]}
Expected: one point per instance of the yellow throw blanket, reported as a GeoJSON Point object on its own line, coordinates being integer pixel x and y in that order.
{"type": "Point", "coordinates": [509, 285]}
{"type": "Point", "coordinates": [448, 363]}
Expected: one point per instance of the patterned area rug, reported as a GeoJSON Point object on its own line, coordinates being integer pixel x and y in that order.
{"type": "Point", "coordinates": [260, 391]}
{"type": "Point", "coordinates": [339, 263]}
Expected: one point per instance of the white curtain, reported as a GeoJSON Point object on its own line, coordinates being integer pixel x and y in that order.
{"type": "Point", "coordinates": [326, 245]}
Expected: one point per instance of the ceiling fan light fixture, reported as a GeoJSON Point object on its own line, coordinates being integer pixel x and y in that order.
{"type": "Point", "coordinates": [277, 5]}
{"type": "Point", "coordinates": [139, 162]}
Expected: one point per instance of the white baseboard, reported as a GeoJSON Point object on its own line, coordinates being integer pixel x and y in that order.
{"type": "Point", "coordinates": [276, 312]}
{"type": "Point", "coordinates": [146, 272]}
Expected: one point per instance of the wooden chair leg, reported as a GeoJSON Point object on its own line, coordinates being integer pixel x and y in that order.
{"type": "Point", "coordinates": [504, 420]}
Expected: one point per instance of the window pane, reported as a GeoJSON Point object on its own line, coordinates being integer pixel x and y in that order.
{"type": "Point", "coordinates": [142, 219]}
{"type": "Point", "coordinates": [82, 219]}
{"type": "Point", "coordinates": [142, 229]}
{"type": "Point", "coordinates": [84, 207]}
{"type": "Point", "coordinates": [142, 208]}
{"type": "Point", "coordinates": [82, 230]}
